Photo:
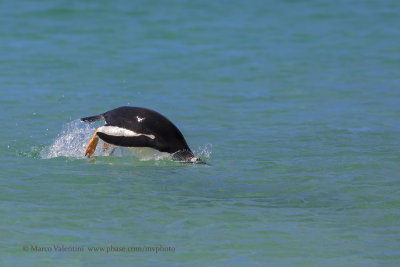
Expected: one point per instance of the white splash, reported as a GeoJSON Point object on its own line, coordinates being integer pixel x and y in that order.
{"type": "Point", "coordinates": [71, 142]}
{"type": "Point", "coordinates": [147, 153]}
{"type": "Point", "coordinates": [203, 152]}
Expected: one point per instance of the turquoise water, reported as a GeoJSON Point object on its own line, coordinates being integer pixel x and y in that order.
{"type": "Point", "coordinates": [295, 104]}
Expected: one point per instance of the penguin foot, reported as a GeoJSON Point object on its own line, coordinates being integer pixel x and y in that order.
{"type": "Point", "coordinates": [108, 148]}
{"type": "Point", "coordinates": [92, 145]}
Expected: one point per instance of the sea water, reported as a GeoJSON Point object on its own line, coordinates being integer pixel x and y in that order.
{"type": "Point", "coordinates": [295, 105]}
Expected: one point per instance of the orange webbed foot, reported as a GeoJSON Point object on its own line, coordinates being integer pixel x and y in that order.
{"type": "Point", "coordinates": [92, 145]}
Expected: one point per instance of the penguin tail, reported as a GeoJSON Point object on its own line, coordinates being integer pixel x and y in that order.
{"type": "Point", "coordinates": [93, 118]}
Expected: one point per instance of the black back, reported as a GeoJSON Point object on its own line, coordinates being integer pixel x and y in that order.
{"type": "Point", "coordinates": [168, 138]}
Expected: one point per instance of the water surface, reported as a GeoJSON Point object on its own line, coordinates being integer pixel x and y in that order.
{"type": "Point", "coordinates": [295, 104]}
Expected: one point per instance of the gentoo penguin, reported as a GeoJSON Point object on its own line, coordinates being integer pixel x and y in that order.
{"type": "Point", "coordinates": [140, 127]}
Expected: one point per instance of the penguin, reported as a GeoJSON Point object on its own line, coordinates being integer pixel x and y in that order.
{"type": "Point", "coordinates": [140, 127]}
